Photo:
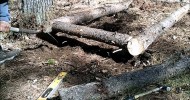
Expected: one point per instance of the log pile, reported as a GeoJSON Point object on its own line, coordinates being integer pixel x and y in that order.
{"type": "Point", "coordinates": [119, 84]}
{"type": "Point", "coordinates": [136, 45]}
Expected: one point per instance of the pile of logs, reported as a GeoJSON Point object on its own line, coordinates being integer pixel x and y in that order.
{"type": "Point", "coordinates": [119, 84]}
{"type": "Point", "coordinates": [135, 45]}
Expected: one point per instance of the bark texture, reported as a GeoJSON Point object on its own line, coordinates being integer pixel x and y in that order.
{"type": "Point", "coordinates": [119, 84]}
{"type": "Point", "coordinates": [139, 44]}
{"type": "Point", "coordinates": [38, 8]}
{"type": "Point", "coordinates": [113, 38]}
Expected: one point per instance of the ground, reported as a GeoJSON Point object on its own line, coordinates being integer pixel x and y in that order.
{"type": "Point", "coordinates": [40, 61]}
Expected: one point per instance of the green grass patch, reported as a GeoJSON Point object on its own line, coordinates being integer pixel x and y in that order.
{"type": "Point", "coordinates": [180, 85]}
{"type": "Point", "coordinates": [51, 62]}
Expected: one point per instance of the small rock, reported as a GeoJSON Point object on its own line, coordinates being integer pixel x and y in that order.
{"type": "Point", "coordinates": [174, 37]}
{"type": "Point", "coordinates": [104, 71]}
{"type": "Point", "coordinates": [56, 62]}
{"type": "Point", "coordinates": [81, 30]}
{"type": "Point", "coordinates": [178, 90]}
{"type": "Point", "coordinates": [98, 79]}
{"type": "Point", "coordinates": [34, 81]}
{"type": "Point", "coordinates": [29, 97]}
{"type": "Point", "coordinates": [26, 37]}
{"type": "Point", "coordinates": [2, 66]}
{"type": "Point", "coordinates": [47, 78]}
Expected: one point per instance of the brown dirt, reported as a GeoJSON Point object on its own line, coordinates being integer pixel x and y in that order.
{"type": "Point", "coordinates": [29, 74]}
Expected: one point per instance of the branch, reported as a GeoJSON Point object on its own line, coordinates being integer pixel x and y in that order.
{"type": "Point", "coordinates": [172, 1]}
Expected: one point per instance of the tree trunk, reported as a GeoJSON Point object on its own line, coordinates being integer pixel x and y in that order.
{"type": "Point", "coordinates": [92, 14]}
{"type": "Point", "coordinates": [113, 38]}
{"type": "Point", "coordinates": [119, 84]}
{"type": "Point", "coordinates": [139, 44]}
{"type": "Point", "coordinates": [38, 8]}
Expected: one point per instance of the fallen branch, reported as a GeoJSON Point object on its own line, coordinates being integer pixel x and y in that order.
{"type": "Point", "coordinates": [139, 44]}
{"type": "Point", "coordinates": [113, 38]}
{"type": "Point", "coordinates": [91, 14]}
{"type": "Point", "coordinates": [119, 84]}
{"type": "Point", "coordinates": [172, 1]}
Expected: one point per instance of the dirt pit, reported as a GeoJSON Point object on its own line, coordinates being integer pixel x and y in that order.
{"type": "Point", "coordinates": [29, 74]}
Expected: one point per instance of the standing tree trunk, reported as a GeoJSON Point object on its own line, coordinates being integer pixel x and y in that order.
{"type": "Point", "coordinates": [37, 8]}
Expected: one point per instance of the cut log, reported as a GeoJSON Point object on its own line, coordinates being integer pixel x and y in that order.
{"type": "Point", "coordinates": [91, 14]}
{"type": "Point", "coordinates": [113, 38]}
{"type": "Point", "coordinates": [139, 44]}
{"type": "Point", "coordinates": [119, 84]}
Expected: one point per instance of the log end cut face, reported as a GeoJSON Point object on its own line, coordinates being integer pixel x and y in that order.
{"type": "Point", "coordinates": [135, 47]}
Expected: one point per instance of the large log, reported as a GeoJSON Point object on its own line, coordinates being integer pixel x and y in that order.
{"type": "Point", "coordinates": [119, 84]}
{"type": "Point", "coordinates": [139, 44]}
{"type": "Point", "coordinates": [113, 38]}
{"type": "Point", "coordinates": [92, 14]}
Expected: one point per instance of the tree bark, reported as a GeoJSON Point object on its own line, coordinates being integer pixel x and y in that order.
{"type": "Point", "coordinates": [119, 84]}
{"type": "Point", "coordinates": [113, 38]}
{"type": "Point", "coordinates": [139, 44]}
{"type": "Point", "coordinates": [38, 8]}
{"type": "Point", "coordinates": [89, 15]}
